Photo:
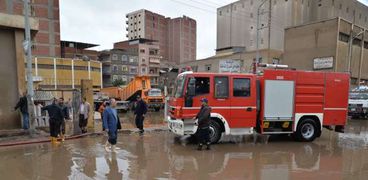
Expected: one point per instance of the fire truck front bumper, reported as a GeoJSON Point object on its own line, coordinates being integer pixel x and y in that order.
{"type": "Point", "coordinates": [180, 127]}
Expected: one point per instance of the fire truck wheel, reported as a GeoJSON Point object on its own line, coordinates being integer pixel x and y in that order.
{"type": "Point", "coordinates": [306, 131]}
{"type": "Point", "coordinates": [215, 132]}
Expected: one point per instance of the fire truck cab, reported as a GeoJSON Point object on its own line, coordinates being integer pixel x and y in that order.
{"type": "Point", "coordinates": [299, 103]}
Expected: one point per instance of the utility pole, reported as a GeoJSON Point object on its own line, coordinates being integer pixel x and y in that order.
{"type": "Point", "coordinates": [256, 61]}
{"type": "Point", "coordinates": [27, 44]}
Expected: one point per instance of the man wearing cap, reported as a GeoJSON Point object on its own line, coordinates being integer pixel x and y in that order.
{"type": "Point", "coordinates": [140, 112]}
{"type": "Point", "coordinates": [203, 122]}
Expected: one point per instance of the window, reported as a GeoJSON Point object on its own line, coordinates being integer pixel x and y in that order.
{"type": "Point", "coordinates": [143, 60]}
{"type": "Point", "coordinates": [124, 68]}
{"type": "Point", "coordinates": [133, 59]}
{"type": "Point", "coordinates": [343, 37]}
{"type": "Point", "coordinates": [340, 6]}
{"type": "Point", "coordinates": [115, 77]}
{"type": "Point", "coordinates": [220, 13]}
{"type": "Point", "coordinates": [142, 51]}
{"type": "Point", "coordinates": [133, 70]}
{"type": "Point", "coordinates": [202, 85]}
{"type": "Point", "coordinates": [241, 87]}
{"type": "Point", "coordinates": [124, 58]}
{"type": "Point", "coordinates": [124, 78]}
{"type": "Point", "coordinates": [221, 87]}
{"type": "Point", "coordinates": [115, 68]}
{"type": "Point", "coordinates": [144, 70]}
{"type": "Point", "coordinates": [115, 57]}
{"type": "Point", "coordinates": [347, 10]}
{"type": "Point", "coordinates": [208, 67]}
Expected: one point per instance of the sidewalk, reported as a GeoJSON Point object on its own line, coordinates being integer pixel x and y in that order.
{"type": "Point", "coordinates": [23, 137]}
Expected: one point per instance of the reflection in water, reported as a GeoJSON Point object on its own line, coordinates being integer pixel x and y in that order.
{"type": "Point", "coordinates": [157, 156]}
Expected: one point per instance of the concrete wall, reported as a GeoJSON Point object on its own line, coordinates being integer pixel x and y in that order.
{"type": "Point", "coordinates": [327, 39]}
{"type": "Point", "coordinates": [236, 22]}
{"type": "Point", "coordinates": [304, 43]}
{"type": "Point", "coordinates": [8, 78]}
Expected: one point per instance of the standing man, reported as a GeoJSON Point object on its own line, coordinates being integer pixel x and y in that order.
{"type": "Point", "coordinates": [203, 123]}
{"type": "Point", "coordinates": [111, 124]}
{"type": "Point", "coordinates": [22, 105]}
{"type": "Point", "coordinates": [140, 112]}
{"type": "Point", "coordinates": [56, 116]}
{"type": "Point", "coordinates": [65, 111]}
{"type": "Point", "coordinates": [84, 109]}
{"type": "Point", "coordinates": [101, 109]}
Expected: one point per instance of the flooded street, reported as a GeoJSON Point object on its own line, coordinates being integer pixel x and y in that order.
{"type": "Point", "coordinates": [157, 155]}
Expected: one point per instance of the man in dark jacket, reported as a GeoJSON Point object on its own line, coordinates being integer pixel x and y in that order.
{"type": "Point", "coordinates": [22, 105]}
{"type": "Point", "coordinates": [56, 116]}
{"type": "Point", "coordinates": [140, 112]}
{"type": "Point", "coordinates": [65, 111]}
{"type": "Point", "coordinates": [203, 123]}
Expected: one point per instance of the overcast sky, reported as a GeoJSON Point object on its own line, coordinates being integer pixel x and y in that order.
{"type": "Point", "coordinates": [103, 21]}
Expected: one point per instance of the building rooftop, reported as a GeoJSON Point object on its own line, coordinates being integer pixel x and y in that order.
{"type": "Point", "coordinates": [77, 45]}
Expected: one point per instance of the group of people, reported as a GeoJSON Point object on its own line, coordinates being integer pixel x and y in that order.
{"type": "Point", "coordinates": [59, 112]}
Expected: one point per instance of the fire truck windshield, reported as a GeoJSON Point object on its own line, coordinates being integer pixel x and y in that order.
{"type": "Point", "coordinates": [179, 86]}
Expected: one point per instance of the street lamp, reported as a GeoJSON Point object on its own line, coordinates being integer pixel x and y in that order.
{"type": "Point", "coordinates": [256, 61]}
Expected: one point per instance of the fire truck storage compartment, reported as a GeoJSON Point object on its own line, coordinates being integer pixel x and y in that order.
{"type": "Point", "coordinates": [279, 100]}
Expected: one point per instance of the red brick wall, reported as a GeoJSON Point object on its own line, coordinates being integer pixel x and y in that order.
{"type": "Point", "coordinates": [43, 25]}
{"type": "Point", "coordinates": [42, 37]}
{"type": "Point", "coordinates": [17, 8]}
{"type": "Point", "coordinates": [2, 5]}
{"type": "Point", "coordinates": [39, 9]}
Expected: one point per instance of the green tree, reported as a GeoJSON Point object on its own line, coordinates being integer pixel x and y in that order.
{"type": "Point", "coordinates": [118, 82]}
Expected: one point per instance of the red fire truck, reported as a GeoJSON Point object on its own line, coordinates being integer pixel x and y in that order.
{"type": "Point", "coordinates": [299, 103]}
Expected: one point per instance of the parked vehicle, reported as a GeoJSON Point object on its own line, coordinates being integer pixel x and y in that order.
{"type": "Point", "coordinates": [139, 86]}
{"type": "Point", "coordinates": [358, 105]}
{"type": "Point", "coordinates": [290, 102]}
{"type": "Point", "coordinates": [122, 106]}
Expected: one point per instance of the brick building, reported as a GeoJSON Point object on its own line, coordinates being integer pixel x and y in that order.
{"type": "Point", "coordinates": [47, 39]}
{"type": "Point", "coordinates": [176, 37]}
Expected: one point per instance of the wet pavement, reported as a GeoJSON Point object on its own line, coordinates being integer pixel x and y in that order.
{"type": "Point", "coordinates": [159, 155]}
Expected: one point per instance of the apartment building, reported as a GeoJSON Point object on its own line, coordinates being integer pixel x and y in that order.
{"type": "Point", "coordinates": [176, 37]}
{"type": "Point", "coordinates": [118, 64]}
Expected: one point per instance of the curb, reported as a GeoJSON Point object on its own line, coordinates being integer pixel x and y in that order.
{"type": "Point", "coordinates": [44, 140]}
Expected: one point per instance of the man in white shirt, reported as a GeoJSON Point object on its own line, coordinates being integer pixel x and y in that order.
{"type": "Point", "coordinates": [84, 109]}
